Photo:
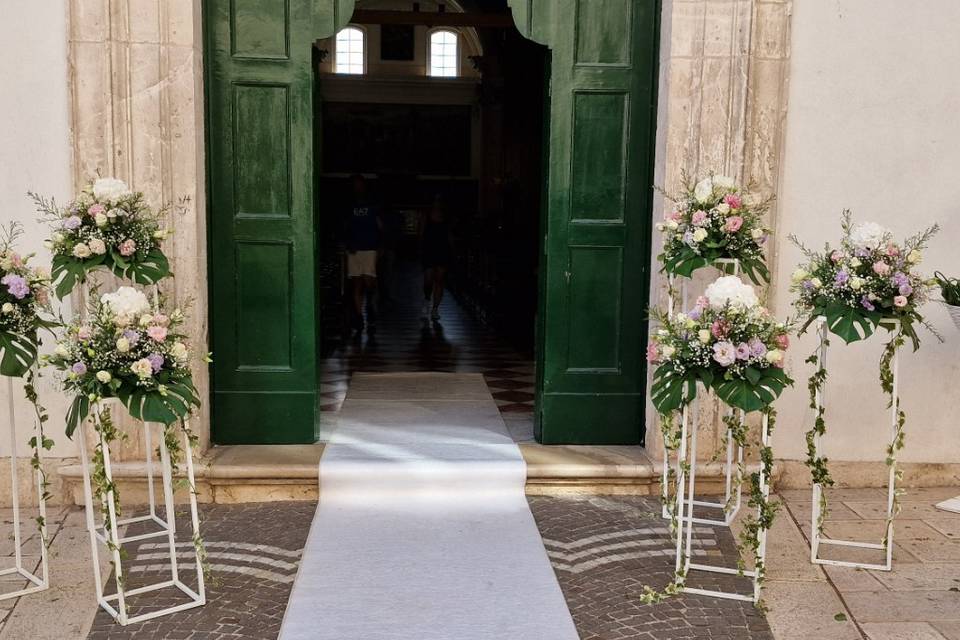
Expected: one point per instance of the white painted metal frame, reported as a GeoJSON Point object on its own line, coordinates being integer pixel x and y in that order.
{"type": "Point", "coordinates": [35, 582]}
{"type": "Point", "coordinates": [731, 469]}
{"type": "Point", "coordinates": [108, 532]}
{"type": "Point", "coordinates": [686, 491]}
{"type": "Point", "coordinates": [817, 539]}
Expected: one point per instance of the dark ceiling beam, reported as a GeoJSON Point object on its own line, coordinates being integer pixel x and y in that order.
{"type": "Point", "coordinates": [433, 19]}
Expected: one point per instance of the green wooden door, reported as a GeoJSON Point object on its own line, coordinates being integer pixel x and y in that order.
{"type": "Point", "coordinates": [599, 198]}
{"type": "Point", "coordinates": [262, 249]}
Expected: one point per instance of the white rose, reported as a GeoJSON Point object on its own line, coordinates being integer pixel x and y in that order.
{"type": "Point", "coordinates": [730, 290]}
{"type": "Point", "coordinates": [100, 219]}
{"type": "Point", "coordinates": [724, 182]}
{"type": "Point", "coordinates": [123, 345]}
{"type": "Point", "coordinates": [104, 376]}
{"type": "Point", "coordinates": [81, 251]}
{"type": "Point", "coordinates": [703, 190]}
{"type": "Point", "coordinates": [61, 350]}
{"type": "Point", "coordinates": [704, 336]}
{"type": "Point", "coordinates": [145, 320]}
{"type": "Point", "coordinates": [160, 234]}
{"type": "Point", "coordinates": [816, 282]}
{"type": "Point", "coordinates": [855, 262]}
{"type": "Point", "coordinates": [914, 257]}
{"type": "Point", "coordinates": [680, 318]}
{"type": "Point", "coordinates": [179, 351]}
{"type": "Point", "coordinates": [774, 356]}
{"type": "Point", "coordinates": [7, 307]}
{"type": "Point", "coordinates": [110, 189]}
{"type": "Point", "coordinates": [671, 224]}
{"type": "Point", "coordinates": [723, 208]}
{"type": "Point", "coordinates": [142, 368]}
{"type": "Point", "coordinates": [700, 234]}
{"type": "Point", "coordinates": [126, 302]}
{"type": "Point", "coordinates": [799, 276]}
{"type": "Point", "coordinates": [869, 235]}
{"type": "Point", "coordinates": [756, 234]}
{"type": "Point", "coordinates": [856, 283]}
{"type": "Point", "coordinates": [666, 351]}
{"type": "Point", "coordinates": [98, 247]}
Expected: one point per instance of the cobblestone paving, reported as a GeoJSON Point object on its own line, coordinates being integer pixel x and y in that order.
{"type": "Point", "coordinates": [604, 549]}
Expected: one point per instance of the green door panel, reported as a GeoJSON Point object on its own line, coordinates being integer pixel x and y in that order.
{"type": "Point", "coordinates": [599, 198]}
{"type": "Point", "coordinates": [264, 322]}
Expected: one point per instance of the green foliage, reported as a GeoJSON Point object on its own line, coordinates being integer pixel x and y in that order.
{"type": "Point", "coordinates": [17, 353]}
{"type": "Point", "coordinates": [949, 288]}
{"type": "Point", "coordinates": [849, 323]}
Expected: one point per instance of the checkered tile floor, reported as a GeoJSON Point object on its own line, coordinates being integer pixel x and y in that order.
{"type": "Point", "coordinates": [403, 340]}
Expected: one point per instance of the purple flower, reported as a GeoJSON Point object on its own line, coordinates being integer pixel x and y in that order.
{"type": "Point", "coordinates": [865, 301]}
{"type": "Point", "coordinates": [71, 222]}
{"type": "Point", "coordinates": [156, 361]}
{"type": "Point", "coordinates": [905, 289]}
{"type": "Point", "coordinates": [842, 277]}
{"type": "Point", "coordinates": [743, 351]}
{"type": "Point", "coordinates": [808, 285]}
{"type": "Point", "coordinates": [757, 348]}
{"type": "Point", "coordinates": [695, 313]}
{"type": "Point", "coordinates": [16, 285]}
{"type": "Point", "coordinates": [900, 279]}
{"type": "Point", "coordinates": [79, 368]}
{"type": "Point", "coordinates": [133, 337]}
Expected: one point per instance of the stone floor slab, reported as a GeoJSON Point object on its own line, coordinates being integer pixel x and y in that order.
{"type": "Point", "coordinates": [850, 579]}
{"type": "Point", "coordinates": [805, 610]}
{"type": "Point", "coordinates": [901, 631]}
{"type": "Point", "coordinates": [904, 606]}
{"type": "Point", "coordinates": [950, 630]}
{"type": "Point", "coordinates": [921, 577]}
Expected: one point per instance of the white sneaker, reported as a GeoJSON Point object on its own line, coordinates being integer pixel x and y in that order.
{"type": "Point", "coordinates": [425, 308]}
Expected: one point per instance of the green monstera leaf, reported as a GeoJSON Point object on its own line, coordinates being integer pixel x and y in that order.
{"type": "Point", "coordinates": [760, 388]}
{"type": "Point", "coordinates": [849, 323]}
{"type": "Point", "coordinates": [153, 268]}
{"type": "Point", "coordinates": [79, 410]}
{"type": "Point", "coordinates": [684, 263]}
{"type": "Point", "coordinates": [17, 354]}
{"type": "Point", "coordinates": [166, 408]}
{"type": "Point", "coordinates": [67, 272]}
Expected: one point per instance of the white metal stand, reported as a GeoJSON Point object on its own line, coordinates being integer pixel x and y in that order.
{"type": "Point", "coordinates": [685, 500]}
{"type": "Point", "coordinates": [108, 532]}
{"type": "Point", "coordinates": [35, 582]}
{"type": "Point", "coordinates": [817, 539]}
{"type": "Point", "coordinates": [731, 469]}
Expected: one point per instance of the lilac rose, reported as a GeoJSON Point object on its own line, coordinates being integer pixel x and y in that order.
{"type": "Point", "coordinates": [724, 353]}
{"type": "Point", "coordinates": [156, 361]}
{"type": "Point", "coordinates": [16, 285]}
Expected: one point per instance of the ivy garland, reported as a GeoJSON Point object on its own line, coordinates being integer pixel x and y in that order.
{"type": "Point", "coordinates": [36, 443]}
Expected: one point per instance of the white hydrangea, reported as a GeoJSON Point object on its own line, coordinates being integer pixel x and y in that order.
{"type": "Point", "coordinates": [731, 290]}
{"type": "Point", "coordinates": [868, 235]}
{"type": "Point", "coordinates": [703, 190]}
{"type": "Point", "coordinates": [126, 302]}
{"type": "Point", "coordinates": [110, 189]}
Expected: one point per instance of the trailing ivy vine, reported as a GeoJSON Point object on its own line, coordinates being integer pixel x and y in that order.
{"type": "Point", "coordinates": [37, 442]}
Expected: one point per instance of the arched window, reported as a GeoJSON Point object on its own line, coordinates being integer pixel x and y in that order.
{"type": "Point", "coordinates": [444, 54]}
{"type": "Point", "coordinates": [350, 56]}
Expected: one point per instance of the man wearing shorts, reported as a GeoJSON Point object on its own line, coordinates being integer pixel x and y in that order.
{"type": "Point", "coordinates": [362, 240]}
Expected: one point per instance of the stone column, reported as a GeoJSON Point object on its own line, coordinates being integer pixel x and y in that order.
{"type": "Point", "coordinates": [136, 86]}
{"type": "Point", "coordinates": [722, 107]}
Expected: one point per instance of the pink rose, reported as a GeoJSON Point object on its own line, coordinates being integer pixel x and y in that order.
{"type": "Point", "coordinates": [128, 247]}
{"type": "Point", "coordinates": [892, 250]}
{"type": "Point", "coordinates": [84, 333]}
{"type": "Point", "coordinates": [674, 215]}
{"type": "Point", "coordinates": [157, 333]}
{"type": "Point", "coordinates": [881, 268]}
{"type": "Point", "coordinates": [16, 260]}
{"type": "Point", "coordinates": [161, 320]}
{"type": "Point", "coordinates": [720, 329]}
{"type": "Point", "coordinates": [783, 341]}
{"type": "Point", "coordinates": [96, 208]}
{"type": "Point", "coordinates": [836, 256]}
{"type": "Point", "coordinates": [653, 353]}
{"type": "Point", "coordinates": [900, 301]}
{"type": "Point", "coordinates": [699, 217]}
{"type": "Point", "coordinates": [733, 200]}
{"type": "Point", "coordinates": [733, 224]}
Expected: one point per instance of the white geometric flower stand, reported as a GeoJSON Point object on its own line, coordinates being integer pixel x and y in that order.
{"type": "Point", "coordinates": [35, 582]}
{"type": "Point", "coordinates": [731, 469]}
{"type": "Point", "coordinates": [685, 503]}
{"type": "Point", "coordinates": [108, 533]}
{"type": "Point", "coordinates": [817, 539]}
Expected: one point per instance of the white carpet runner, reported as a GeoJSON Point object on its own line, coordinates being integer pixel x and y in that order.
{"type": "Point", "coordinates": [423, 531]}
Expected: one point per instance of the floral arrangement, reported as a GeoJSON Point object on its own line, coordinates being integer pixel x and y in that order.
{"type": "Point", "coordinates": [728, 342]}
{"type": "Point", "coordinates": [107, 225]}
{"type": "Point", "coordinates": [869, 278]}
{"type": "Point", "coordinates": [866, 282]}
{"type": "Point", "coordinates": [713, 220]}
{"type": "Point", "coordinates": [131, 351]}
{"type": "Point", "coordinates": [24, 295]}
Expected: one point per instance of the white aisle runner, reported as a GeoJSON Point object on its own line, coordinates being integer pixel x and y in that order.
{"type": "Point", "coordinates": [423, 531]}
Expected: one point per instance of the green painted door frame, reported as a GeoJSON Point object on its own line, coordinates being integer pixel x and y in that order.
{"type": "Point", "coordinates": [597, 215]}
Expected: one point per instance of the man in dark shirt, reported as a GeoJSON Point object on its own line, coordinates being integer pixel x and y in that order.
{"type": "Point", "coordinates": [363, 241]}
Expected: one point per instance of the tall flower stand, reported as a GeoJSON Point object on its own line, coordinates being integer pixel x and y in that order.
{"type": "Point", "coordinates": [817, 539]}
{"type": "Point", "coordinates": [685, 502]}
{"type": "Point", "coordinates": [730, 505]}
{"type": "Point", "coordinates": [35, 582]}
{"type": "Point", "coordinates": [108, 529]}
